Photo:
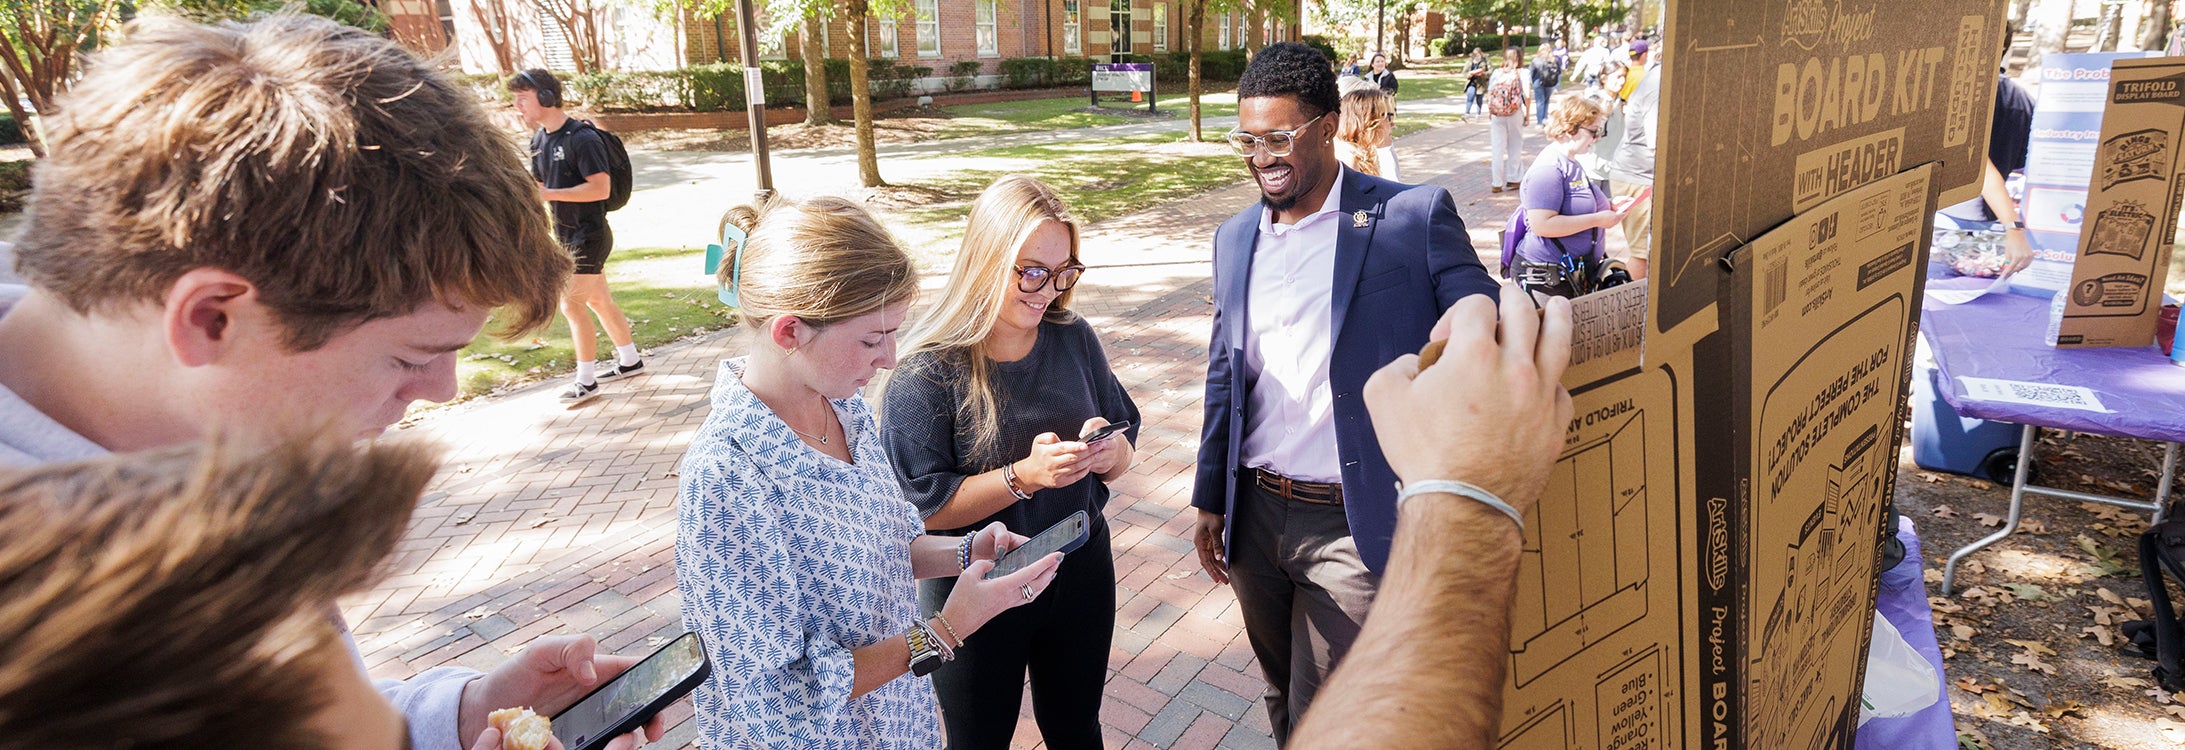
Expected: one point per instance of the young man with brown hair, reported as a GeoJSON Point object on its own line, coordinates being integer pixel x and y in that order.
{"type": "Point", "coordinates": [569, 159]}
{"type": "Point", "coordinates": [266, 229]}
{"type": "Point", "coordinates": [179, 597]}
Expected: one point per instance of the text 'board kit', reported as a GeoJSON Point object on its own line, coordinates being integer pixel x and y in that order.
{"type": "Point", "coordinates": [1701, 571]}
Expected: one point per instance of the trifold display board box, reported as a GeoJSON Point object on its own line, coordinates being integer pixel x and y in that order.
{"type": "Point", "coordinates": [2131, 210]}
{"type": "Point", "coordinates": [1701, 571]}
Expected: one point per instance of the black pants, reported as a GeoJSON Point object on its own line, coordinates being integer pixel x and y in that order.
{"type": "Point", "coordinates": [1303, 591]}
{"type": "Point", "coordinates": [1061, 640]}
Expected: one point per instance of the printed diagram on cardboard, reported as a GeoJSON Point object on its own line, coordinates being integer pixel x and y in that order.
{"type": "Point", "coordinates": [1805, 622]}
{"type": "Point", "coordinates": [1594, 638]}
{"type": "Point", "coordinates": [2122, 230]}
{"type": "Point", "coordinates": [1606, 568]}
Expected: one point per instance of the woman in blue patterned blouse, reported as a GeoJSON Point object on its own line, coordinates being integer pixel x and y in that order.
{"type": "Point", "coordinates": [796, 553]}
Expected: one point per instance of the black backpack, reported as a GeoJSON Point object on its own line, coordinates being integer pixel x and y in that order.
{"type": "Point", "coordinates": [620, 176]}
{"type": "Point", "coordinates": [2161, 553]}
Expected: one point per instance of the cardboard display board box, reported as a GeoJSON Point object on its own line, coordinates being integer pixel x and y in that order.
{"type": "Point", "coordinates": [2132, 206]}
{"type": "Point", "coordinates": [1700, 571]}
{"type": "Point", "coordinates": [1770, 108]}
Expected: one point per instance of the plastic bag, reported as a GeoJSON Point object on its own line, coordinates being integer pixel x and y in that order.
{"type": "Point", "coordinates": [1899, 682]}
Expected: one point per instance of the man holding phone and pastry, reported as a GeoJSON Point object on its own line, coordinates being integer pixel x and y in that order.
{"type": "Point", "coordinates": [183, 285]}
{"type": "Point", "coordinates": [1335, 274]}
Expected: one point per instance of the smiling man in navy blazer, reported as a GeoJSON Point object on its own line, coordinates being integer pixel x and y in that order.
{"type": "Point", "coordinates": [1333, 275]}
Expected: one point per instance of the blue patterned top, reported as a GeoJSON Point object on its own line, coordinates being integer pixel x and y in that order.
{"type": "Point", "coordinates": [787, 559]}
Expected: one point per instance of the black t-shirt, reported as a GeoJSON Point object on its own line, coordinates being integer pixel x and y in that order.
{"type": "Point", "coordinates": [563, 159]}
{"type": "Point", "coordinates": [1546, 72]}
{"type": "Point", "coordinates": [2012, 128]}
{"type": "Point", "coordinates": [2009, 133]}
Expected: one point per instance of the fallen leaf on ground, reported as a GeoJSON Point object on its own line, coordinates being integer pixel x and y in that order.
{"type": "Point", "coordinates": [2028, 591]}
{"type": "Point", "coordinates": [2032, 526]}
{"type": "Point", "coordinates": [1962, 631]}
{"type": "Point", "coordinates": [2100, 634]}
{"type": "Point", "coordinates": [1936, 478]}
{"type": "Point", "coordinates": [1988, 519]}
{"type": "Point", "coordinates": [1971, 739]}
{"type": "Point", "coordinates": [2121, 681]}
{"type": "Point", "coordinates": [1943, 511]}
{"type": "Point", "coordinates": [2171, 730]}
{"type": "Point", "coordinates": [2033, 646]}
{"type": "Point", "coordinates": [1970, 685]}
{"type": "Point", "coordinates": [2033, 663]}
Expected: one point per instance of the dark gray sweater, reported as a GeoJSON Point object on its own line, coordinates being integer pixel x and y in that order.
{"type": "Point", "coordinates": [1064, 381]}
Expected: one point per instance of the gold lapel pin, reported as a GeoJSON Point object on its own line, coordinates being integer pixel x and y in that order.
{"type": "Point", "coordinates": [1360, 219]}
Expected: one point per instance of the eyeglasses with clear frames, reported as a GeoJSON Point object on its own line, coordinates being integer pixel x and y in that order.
{"type": "Point", "coordinates": [1034, 278]}
{"type": "Point", "coordinates": [1278, 143]}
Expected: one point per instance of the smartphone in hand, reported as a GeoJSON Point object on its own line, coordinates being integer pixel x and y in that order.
{"type": "Point", "coordinates": [633, 697]}
{"type": "Point", "coordinates": [1104, 433]}
{"type": "Point", "coordinates": [1064, 537]}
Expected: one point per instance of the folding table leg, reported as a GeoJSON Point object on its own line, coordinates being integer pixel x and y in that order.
{"type": "Point", "coordinates": [2169, 472]}
{"type": "Point", "coordinates": [2018, 504]}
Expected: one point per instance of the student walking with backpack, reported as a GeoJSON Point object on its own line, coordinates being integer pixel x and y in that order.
{"type": "Point", "coordinates": [583, 173]}
{"type": "Point", "coordinates": [1507, 110]}
{"type": "Point", "coordinates": [1547, 73]}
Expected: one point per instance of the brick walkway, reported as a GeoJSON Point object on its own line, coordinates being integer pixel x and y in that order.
{"type": "Point", "coordinates": [551, 521]}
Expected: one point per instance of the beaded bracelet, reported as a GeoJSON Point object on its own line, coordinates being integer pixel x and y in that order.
{"type": "Point", "coordinates": [1009, 477]}
{"type": "Point", "coordinates": [963, 553]}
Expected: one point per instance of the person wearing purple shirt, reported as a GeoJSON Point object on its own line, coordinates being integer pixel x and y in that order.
{"type": "Point", "coordinates": [1564, 213]}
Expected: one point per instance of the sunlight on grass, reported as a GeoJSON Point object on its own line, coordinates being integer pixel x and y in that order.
{"type": "Point", "coordinates": [972, 120]}
{"type": "Point", "coordinates": [646, 284]}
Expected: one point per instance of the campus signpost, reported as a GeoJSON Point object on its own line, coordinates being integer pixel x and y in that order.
{"type": "Point", "coordinates": [1135, 79]}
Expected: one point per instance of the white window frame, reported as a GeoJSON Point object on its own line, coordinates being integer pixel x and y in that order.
{"type": "Point", "coordinates": [986, 22]}
{"type": "Point", "coordinates": [1160, 26]}
{"type": "Point", "coordinates": [929, 27]}
{"type": "Point", "coordinates": [1224, 32]}
{"type": "Point", "coordinates": [1073, 27]}
{"type": "Point", "coordinates": [1119, 40]}
{"type": "Point", "coordinates": [883, 42]}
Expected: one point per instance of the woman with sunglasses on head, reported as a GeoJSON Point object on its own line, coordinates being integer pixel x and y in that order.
{"type": "Point", "coordinates": [1365, 140]}
{"type": "Point", "coordinates": [794, 551]}
{"type": "Point", "coordinates": [983, 421]}
{"type": "Point", "coordinates": [1565, 213]}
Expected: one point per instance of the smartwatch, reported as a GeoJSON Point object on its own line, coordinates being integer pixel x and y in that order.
{"type": "Point", "coordinates": [924, 655]}
{"type": "Point", "coordinates": [2018, 225]}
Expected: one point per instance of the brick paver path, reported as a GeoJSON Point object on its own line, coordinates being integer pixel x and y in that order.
{"type": "Point", "coordinates": [551, 521]}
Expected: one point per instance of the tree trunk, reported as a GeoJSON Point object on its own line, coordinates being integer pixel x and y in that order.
{"type": "Point", "coordinates": [1255, 31]}
{"type": "Point", "coordinates": [2155, 26]}
{"type": "Point", "coordinates": [2051, 25]}
{"type": "Point", "coordinates": [2109, 28]}
{"type": "Point", "coordinates": [868, 157]}
{"type": "Point", "coordinates": [815, 71]}
{"type": "Point", "coordinates": [1195, 41]}
{"type": "Point", "coordinates": [496, 28]}
{"type": "Point", "coordinates": [31, 133]}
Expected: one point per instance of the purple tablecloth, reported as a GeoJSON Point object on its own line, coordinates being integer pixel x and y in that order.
{"type": "Point", "coordinates": [2000, 336]}
{"type": "Point", "coordinates": [1903, 602]}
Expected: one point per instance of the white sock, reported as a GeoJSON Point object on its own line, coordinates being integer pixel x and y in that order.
{"type": "Point", "coordinates": [584, 372]}
{"type": "Point", "coordinates": [626, 354]}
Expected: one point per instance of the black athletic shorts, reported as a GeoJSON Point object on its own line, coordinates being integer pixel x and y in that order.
{"type": "Point", "coordinates": [591, 254]}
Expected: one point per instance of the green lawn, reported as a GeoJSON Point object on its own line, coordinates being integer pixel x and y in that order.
{"type": "Point", "coordinates": [1069, 112]}
{"type": "Point", "coordinates": [663, 292]}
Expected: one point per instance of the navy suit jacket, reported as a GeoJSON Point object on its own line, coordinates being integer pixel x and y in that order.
{"type": "Point", "coordinates": [1408, 260]}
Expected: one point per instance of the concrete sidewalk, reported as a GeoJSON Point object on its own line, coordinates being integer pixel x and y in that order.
{"type": "Point", "coordinates": [554, 521]}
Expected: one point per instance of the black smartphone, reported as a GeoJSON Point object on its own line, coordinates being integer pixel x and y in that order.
{"type": "Point", "coordinates": [1064, 537]}
{"type": "Point", "coordinates": [1105, 432]}
{"type": "Point", "coordinates": [633, 697]}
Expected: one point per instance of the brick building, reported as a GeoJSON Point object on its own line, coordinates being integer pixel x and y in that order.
{"type": "Point", "coordinates": [939, 33]}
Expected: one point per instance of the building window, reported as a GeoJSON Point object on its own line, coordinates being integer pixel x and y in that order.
{"type": "Point", "coordinates": [1224, 32]}
{"type": "Point", "coordinates": [929, 28]}
{"type": "Point", "coordinates": [883, 38]}
{"type": "Point", "coordinates": [1119, 22]}
{"type": "Point", "coordinates": [1072, 42]}
{"type": "Point", "coordinates": [989, 35]}
{"type": "Point", "coordinates": [1160, 26]}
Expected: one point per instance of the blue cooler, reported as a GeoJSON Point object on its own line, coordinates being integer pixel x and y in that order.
{"type": "Point", "coordinates": [1944, 441]}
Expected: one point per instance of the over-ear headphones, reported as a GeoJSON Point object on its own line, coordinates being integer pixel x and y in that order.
{"type": "Point", "coordinates": [548, 95]}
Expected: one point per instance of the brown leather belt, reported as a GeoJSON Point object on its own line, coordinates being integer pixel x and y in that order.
{"type": "Point", "coordinates": [1317, 493]}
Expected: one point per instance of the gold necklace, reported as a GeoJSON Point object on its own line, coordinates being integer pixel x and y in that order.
{"type": "Point", "coordinates": [822, 436]}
